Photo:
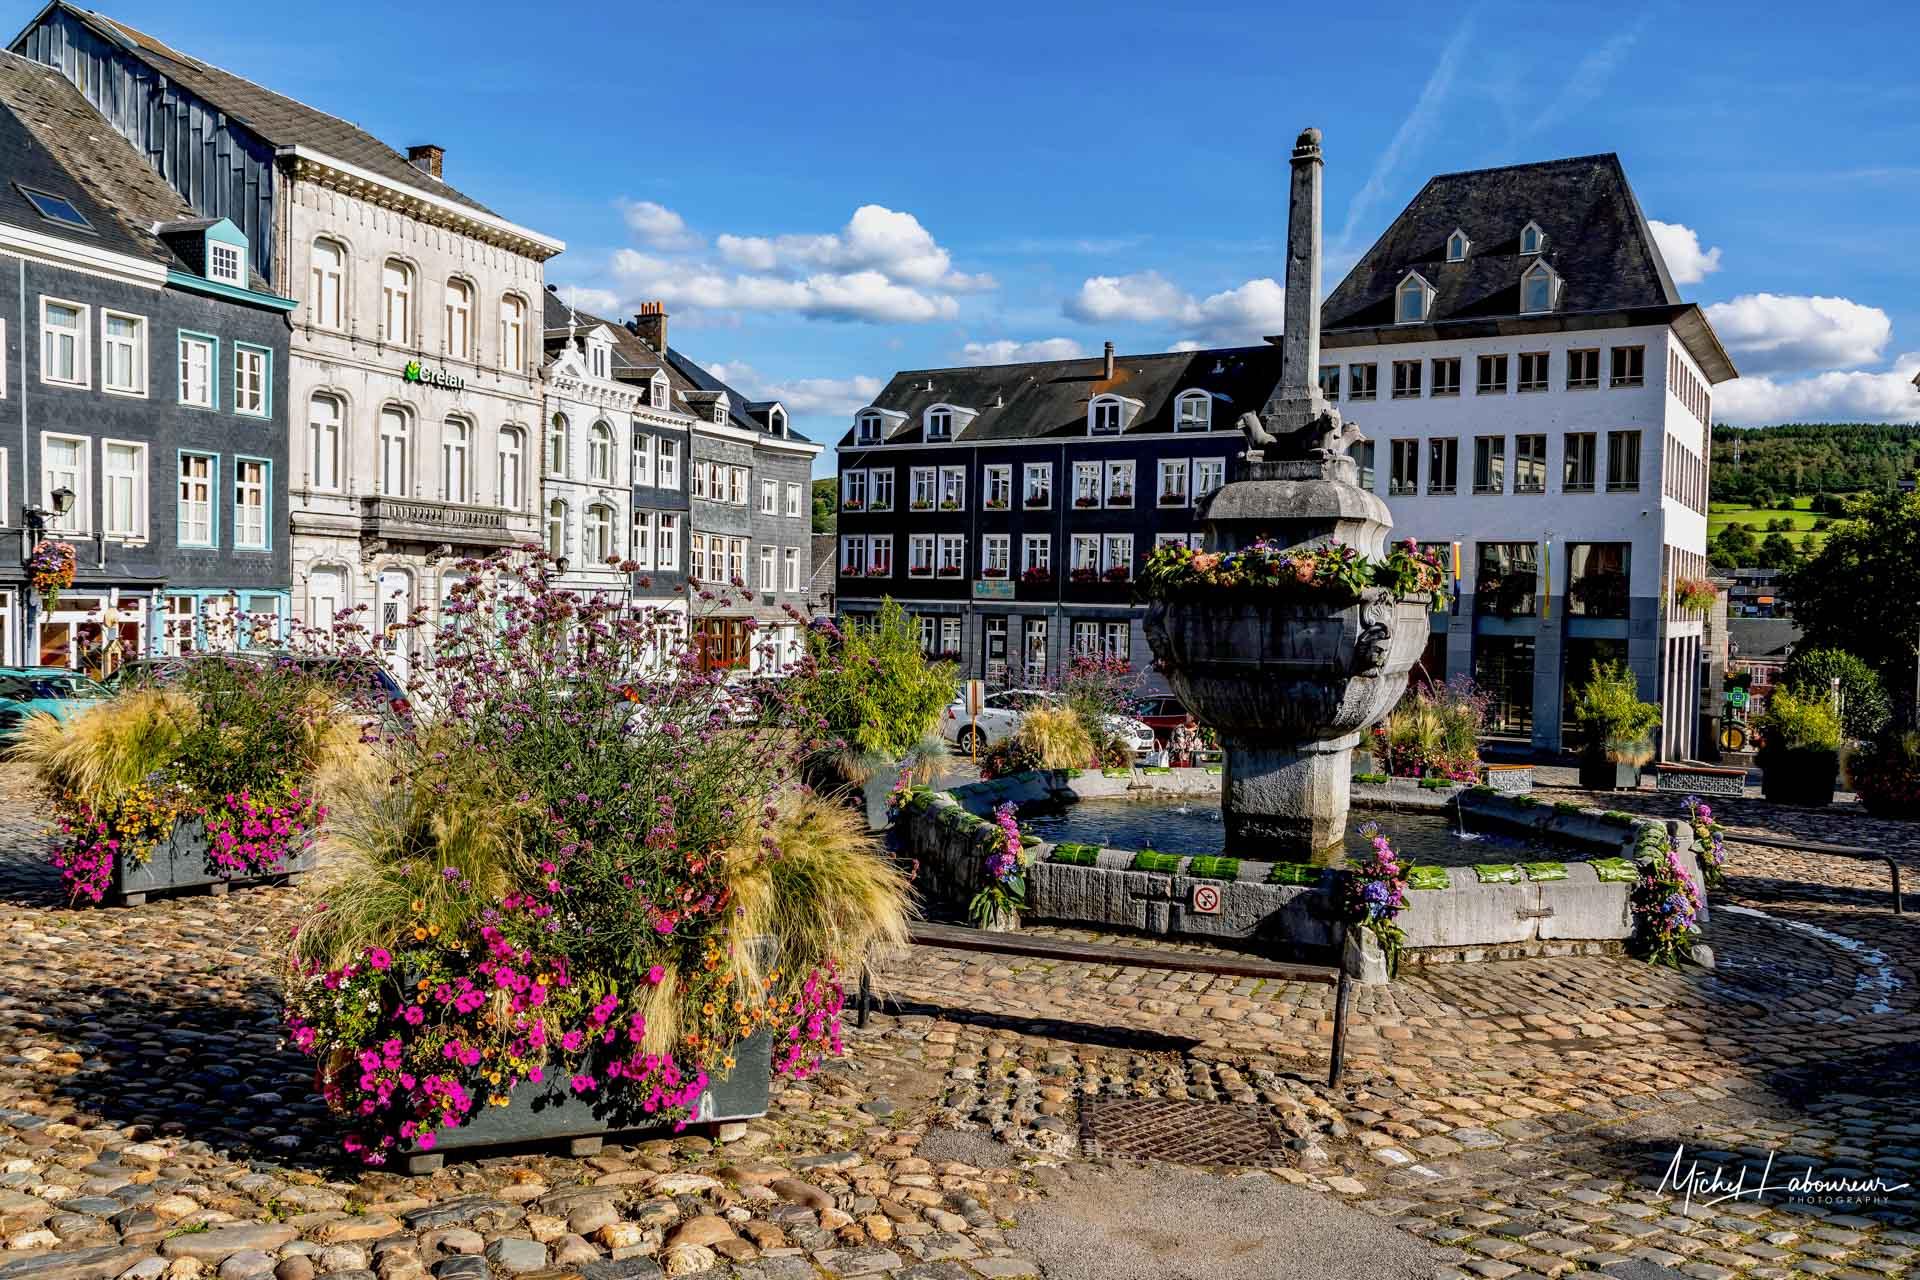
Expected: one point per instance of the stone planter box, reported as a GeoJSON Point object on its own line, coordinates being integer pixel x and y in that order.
{"type": "Point", "coordinates": [553, 1112]}
{"type": "Point", "coordinates": [181, 862]}
{"type": "Point", "coordinates": [1597, 773]}
{"type": "Point", "coordinates": [1508, 779]}
{"type": "Point", "coordinates": [1806, 778]}
{"type": "Point", "coordinates": [1699, 779]}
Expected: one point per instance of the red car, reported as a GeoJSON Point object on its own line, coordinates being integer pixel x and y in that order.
{"type": "Point", "coordinates": [1163, 713]}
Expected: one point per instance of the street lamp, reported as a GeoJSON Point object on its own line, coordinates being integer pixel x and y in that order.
{"type": "Point", "coordinates": [35, 521]}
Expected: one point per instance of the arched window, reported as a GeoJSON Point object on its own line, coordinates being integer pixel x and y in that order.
{"type": "Point", "coordinates": [396, 448]}
{"type": "Point", "coordinates": [1103, 417]}
{"type": "Point", "coordinates": [1194, 411]}
{"type": "Point", "coordinates": [939, 424]}
{"type": "Point", "coordinates": [396, 302]}
{"type": "Point", "coordinates": [557, 445]}
{"type": "Point", "coordinates": [557, 528]}
{"type": "Point", "coordinates": [1410, 300]}
{"type": "Point", "coordinates": [600, 453]}
{"type": "Point", "coordinates": [512, 452]}
{"type": "Point", "coordinates": [599, 542]}
{"type": "Point", "coordinates": [1537, 288]}
{"type": "Point", "coordinates": [459, 319]}
{"type": "Point", "coordinates": [455, 445]}
{"type": "Point", "coordinates": [326, 307]}
{"type": "Point", "coordinates": [513, 333]}
{"type": "Point", "coordinates": [323, 443]}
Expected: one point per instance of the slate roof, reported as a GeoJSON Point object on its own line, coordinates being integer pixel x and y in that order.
{"type": "Point", "coordinates": [275, 117]}
{"type": "Point", "coordinates": [1049, 398]}
{"type": "Point", "coordinates": [1597, 239]}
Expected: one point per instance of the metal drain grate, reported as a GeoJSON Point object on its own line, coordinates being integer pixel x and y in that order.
{"type": "Point", "coordinates": [1197, 1133]}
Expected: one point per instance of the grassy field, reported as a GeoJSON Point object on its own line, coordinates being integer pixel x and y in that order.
{"type": "Point", "coordinates": [1799, 515]}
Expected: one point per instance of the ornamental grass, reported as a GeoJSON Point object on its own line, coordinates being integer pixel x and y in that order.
{"type": "Point", "coordinates": [1056, 738]}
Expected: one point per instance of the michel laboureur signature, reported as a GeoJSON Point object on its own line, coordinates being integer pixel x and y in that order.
{"type": "Point", "coordinates": [1711, 1185]}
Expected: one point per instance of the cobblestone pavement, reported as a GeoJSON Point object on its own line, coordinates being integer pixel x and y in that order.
{"type": "Point", "coordinates": [1518, 1116]}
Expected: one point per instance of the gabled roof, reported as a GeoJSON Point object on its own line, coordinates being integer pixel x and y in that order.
{"type": "Point", "coordinates": [1597, 240]}
{"type": "Point", "coordinates": [274, 117]}
{"type": "Point", "coordinates": [1050, 398]}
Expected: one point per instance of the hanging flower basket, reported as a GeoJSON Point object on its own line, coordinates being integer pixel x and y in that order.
{"type": "Point", "coordinates": [1696, 595]}
{"type": "Point", "coordinates": [50, 568]}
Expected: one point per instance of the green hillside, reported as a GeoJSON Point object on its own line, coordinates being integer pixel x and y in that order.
{"type": "Point", "coordinates": [1760, 465]}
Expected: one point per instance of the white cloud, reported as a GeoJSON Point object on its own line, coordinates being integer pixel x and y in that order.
{"type": "Point", "coordinates": [1834, 396]}
{"type": "Point", "coordinates": [600, 302]}
{"type": "Point", "coordinates": [1240, 315]}
{"type": "Point", "coordinates": [657, 226]}
{"type": "Point", "coordinates": [1007, 351]}
{"type": "Point", "coordinates": [875, 238]}
{"type": "Point", "coordinates": [802, 396]}
{"type": "Point", "coordinates": [1687, 262]}
{"type": "Point", "coordinates": [1775, 333]}
{"type": "Point", "coordinates": [857, 295]}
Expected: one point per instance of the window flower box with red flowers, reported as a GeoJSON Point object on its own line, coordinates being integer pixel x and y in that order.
{"type": "Point", "coordinates": [852, 571]}
{"type": "Point", "coordinates": [1086, 500]}
{"type": "Point", "coordinates": [853, 504]}
{"type": "Point", "coordinates": [947, 655]}
{"type": "Point", "coordinates": [993, 571]}
{"type": "Point", "coordinates": [881, 569]}
{"type": "Point", "coordinates": [1084, 574]}
{"type": "Point", "coordinates": [1036, 577]}
{"type": "Point", "coordinates": [1123, 498]}
{"type": "Point", "coordinates": [996, 504]}
{"type": "Point", "coordinates": [1118, 573]}
{"type": "Point", "coordinates": [1038, 502]}
{"type": "Point", "coordinates": [949, 570]}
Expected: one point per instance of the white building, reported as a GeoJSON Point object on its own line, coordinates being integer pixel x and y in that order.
{"type": "Point", "coordinates": [1538, 399]}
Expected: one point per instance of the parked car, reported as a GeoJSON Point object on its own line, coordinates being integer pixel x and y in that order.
{"type": "Point", "coordinates": [361, 680]}
{"type": "Point", "coordinates": [1162, 713]}
{"type": "Point", "coordinates": [58, 692]}
{"type": "Point", "coordinates": [1000, 717]}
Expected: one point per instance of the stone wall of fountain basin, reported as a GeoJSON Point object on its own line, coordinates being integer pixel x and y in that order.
{"type": "Point", "coordinates": [1288, 908]}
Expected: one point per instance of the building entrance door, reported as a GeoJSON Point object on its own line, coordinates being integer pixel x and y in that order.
{"type": "Point", "coordinates": [1503, 668]}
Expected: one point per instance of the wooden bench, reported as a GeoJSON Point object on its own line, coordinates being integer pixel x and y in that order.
{"type": "Point", "coordinates": [958, 938]}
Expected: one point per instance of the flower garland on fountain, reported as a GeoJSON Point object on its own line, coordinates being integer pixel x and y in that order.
{"type": "Point", "coordinates": [1330, 570]}
{"type": "Point", "coordinates": [1004, 895]}
{"type": "Point", "coordinates": [1665, 902]}
{"type": "Point", "coordinates": [1374, 892]}
{"type": "Point", "coordinates": [1709, 841]}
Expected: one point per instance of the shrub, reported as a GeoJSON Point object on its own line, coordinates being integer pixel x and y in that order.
{"type": "Point", "coordinates": [1618, 724]}
{"type": "Point", "coordinates": [1796, 723]}
{"type": "Point", "coordinates": [877, 692]}
{"type": "Point", "coordinates": [1007, 757]}
{"type": "Point", "coordinates": [1057, 738]}
{"type": "Point", "coordinates": [1864, 707]}
{"type": "Point", "coordinates": [1434, 732]}
{"type": "Point", "coordinates": [1886, 776]}
{"type": "Point", "coordinates": [1100, 690]}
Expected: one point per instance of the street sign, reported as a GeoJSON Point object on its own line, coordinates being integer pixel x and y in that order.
{"type": "Point", "coordinates": [1736, 697]}
{"type": "Point", "coordinates": [1206, 899]}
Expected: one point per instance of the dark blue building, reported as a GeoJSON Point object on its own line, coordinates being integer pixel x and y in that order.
{"type": "Point", "coordinates": [144, 389]}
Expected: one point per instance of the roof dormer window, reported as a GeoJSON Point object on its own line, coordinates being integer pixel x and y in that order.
{"type": "Point", "coordinates": [777, 421]}
{"type": "Point", "coordinates": [55, 208]}
{"type": "Point", "coordinates": [1539, 289]}
{"type": "Point", "coordinates": [720, 413]}
{"type": "Point", "coordinates": [1193, 411]}
{"type": "Point", "coordinates": [1457, 246]}
{"type": "Point", "coordinates": [660, 397]}
{"type": "Point", "coordinates": [1412, 300]}
{"type": "Point", "coordinates": [940, 424]}
{"type": "Point", "coordinates": [1532, 238]}
{"type": "Point", "coordinates": [223, 263]}
{"type": "Point", "coordinates": [868, 430]}
{"type": "Point", "coordinates": [1104, 417]}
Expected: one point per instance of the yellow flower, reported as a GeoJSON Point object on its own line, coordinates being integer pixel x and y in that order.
{"type": "Point", "coordinates": [707, 1008]}
{"type": "Point", "coordinates": [433, 930]}
{"type": "Point", "coordinates": [418, 906]}
{"type": "Point", "coordinates": [419, 935]}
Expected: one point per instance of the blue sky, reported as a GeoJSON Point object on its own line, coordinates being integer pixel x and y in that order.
{"type": "Point", "coordinates": [825, 195]}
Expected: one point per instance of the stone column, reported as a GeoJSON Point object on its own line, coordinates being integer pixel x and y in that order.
{"type": "Point", "coordinates": [1286, 801]}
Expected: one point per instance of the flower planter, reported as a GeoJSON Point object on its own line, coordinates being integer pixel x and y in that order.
{"type": "Point", "coordinates": [552, 1111]}
{"type": "Point", "coordinates": [181, 862]}
{"type": "Point", "coordinates": [1597, 773]}
{"type": "Point", "coordinates": [1801, 777]}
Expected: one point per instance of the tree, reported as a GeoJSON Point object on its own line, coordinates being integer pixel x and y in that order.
{"type": "Point", "coordinates": [1861, 592]}
{"type": "Point", "coordinates": [1776, 553]}
{"type": "Point", "coordinates": [878, 693]}
{"type": "Point", "coordinates": [1863, 702]}
{"type": "Point", "coordinates": [826, 505]}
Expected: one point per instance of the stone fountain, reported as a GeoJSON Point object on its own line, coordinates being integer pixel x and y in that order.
{"type": "Point", "coordinates": [1289, 684]}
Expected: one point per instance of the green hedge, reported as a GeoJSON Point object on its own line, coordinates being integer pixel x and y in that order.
{"type": "Point", "coordinates": [1075, 855]}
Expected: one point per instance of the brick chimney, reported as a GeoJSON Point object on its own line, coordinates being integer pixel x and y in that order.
{"type": "Point", "coordinates": [1108, 375]}
{"type": "Point", "coordinates": [427, 157]}
{"type": "Point", "coordinates": [650, 323]}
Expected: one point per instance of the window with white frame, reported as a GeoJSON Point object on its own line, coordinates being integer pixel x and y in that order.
{"type": "Point", "coordinates": [1532, 238]}
{"type": "Point", "coordinates": [123, 353]}
{"type": "Point", "coordinates": [666, 552]}
{"type": "Point", "coordinates": [1169, 540]}
{"type": "Point", "coordinates": [880, 555]}
{"type": "Point", "coordinates": [853, 490]}
{"type": "Point", "coordinates": [1037, 480]}
{"type": "Point", "coordinates": [1457, 245]}
{"type": "Point", "coordinates": [1084, 562]}
{"type": "Point", "coordinates": [1086, 639]}
{"type": "Point", "coordinates": [790, 566]}
{"type": "Point", "coordinates": [557, 527]}
{"type": "Point", "coordinates": [250, 488]}
{"type": "Point", "coordinates": [1120, 483]}
{"type": "Point", "coordinates": [998, 480]}
{"type": "Point", "coordinates": [939, 424]}
{"type": "Point", "coordinates": [600, 453]}
{"type": "Point", "coordinates": [1208, 474]}
{"type": "Point", "coordinates": [880, 489]}
{"type": "Point", "coordinates": [925, 632]}
{"type": "Point", "coordinates": [223, 263]}
{"type": "Point", "coordinates": [736, 561]}
{"type": "Point", "coordinates": [510, 461]}
{"type": "Point", "coordinates": [953, 488]}
{"type": "Point", "coordinates": [867, 430]}
{"type": "Point", "coordinates": [996, 555]}
{"type": "Point", "coordinates": [737, 486]}
{"type": "Point", "coordinates": [921, 492]}
{"type": "Point", "coordinates": [396, 450]}
{"type": "Point", "coordinates": [63, 343]}
{"type": "Point", "coordinates": [396, 302]}
{"type": "Point", "coordinates": [196, 500]}
{"type": "Point", "coordinates": [1537, 288]}
{"type": "Point", "coordinates": [456, 446]}
{"type": "Point", "coordinates": [660, 394]}
{"type": "Point", "coordinates": [796, 504]}
{"type": "Point", "coordinates": [198, 356]}
{"type": "Point", "coordinates": [769, 569]}
{"type": "Point", "coordinates": [65, 464]}
{"type": "Point", "coordinates": [1411, 297]}
{"type": "Point", "coordinates": [1172, 486]}
{"type": "Point", "coordinates": [1194, 411]}
{"type": "Point", "coordinates": [1086, 484]}
{"type": "Point", "coordinates": [456, 317]}
{"type": "Point", "coordinates": [599, 531]}
{"type": "Point", "coordinates": [323, 443]}
{"type": "Point", "coordinates": [702, 474]}
{"type": "Point", "coordinates": [668, 452]}
{"type": "Point", "coordinates": [513, 333]}
{"type": "Point", "coordinates": [327, 285]}
{"type": "Point", "coordinates": [640, 540]}
{"type": "Point", "coordinates": [920, 555]}
{"type": "Point", "coordinates": [251, 371]}
{"type": "Point", "coordinates": [697, 556]}
{"type": "Point", "coordinates": [123, 485]}
{"type": "Point", "coordinates": [949, 637]}
{"type": "Point", "coordinates": [1036, 552]}
{"type": "Point", "coordinates": [769, 498]}
{"type": "Point", "coordinates": [1119, 640]}
{"type": "Point", "coordinates": [1116, 556]}
{"type": "Point", "coordinates": [953, 555]}
{"type": "Point", "coordinates": [642, 459]}
{"type": "Point", "coordinates": [1103, 417]}
{"type": "Point", "coordinates": [557, 445]}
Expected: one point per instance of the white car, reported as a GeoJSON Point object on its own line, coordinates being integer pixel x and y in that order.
{"type": "Point", "coordinates": [1000, 717]}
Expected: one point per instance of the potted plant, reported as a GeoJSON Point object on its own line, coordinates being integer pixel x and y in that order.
{"type": "Point", "coordinates": [1619, 728]}
{"type": "Point", "coordinates": [579, 893]}
{"type": "Point", "coordinates": [1696, 595]}
{"type": "Point", "coordinates": [1799, 756]}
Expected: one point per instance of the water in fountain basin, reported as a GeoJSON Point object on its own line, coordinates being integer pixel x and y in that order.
{"type": "Point", "coordinates": [1196, 830]}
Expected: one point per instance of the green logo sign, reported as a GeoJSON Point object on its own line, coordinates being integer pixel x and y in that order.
{"type": "Point", "coordinates": [417, 373]}
{"type": "Point", "coordinates": [1736, 697]}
